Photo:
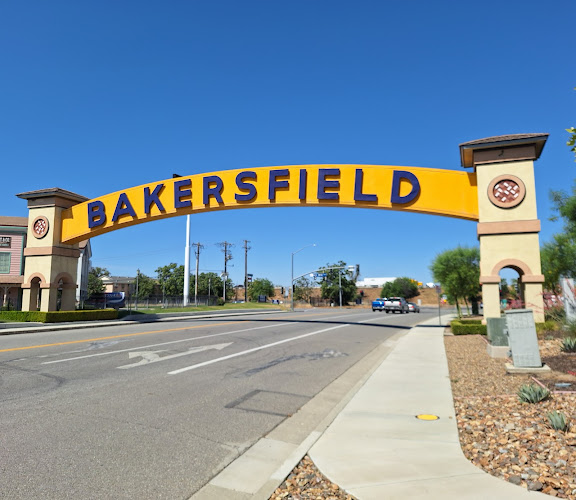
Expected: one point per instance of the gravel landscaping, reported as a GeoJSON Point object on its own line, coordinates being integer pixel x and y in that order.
{"type": "Point", "coordinates": [504, 437]}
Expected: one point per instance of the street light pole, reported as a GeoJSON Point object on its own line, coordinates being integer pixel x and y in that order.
{"type": "Point", "coordinates": [292, 275]}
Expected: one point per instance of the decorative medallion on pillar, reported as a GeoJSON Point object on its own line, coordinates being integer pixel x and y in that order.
{"type": "Point", "coordinates": [506, 191]}
{"type": "Point", "coordinates": [40, 227]}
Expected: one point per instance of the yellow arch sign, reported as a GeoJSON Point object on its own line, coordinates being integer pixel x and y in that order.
{"type": "Point", "coordinates": [413, 189]}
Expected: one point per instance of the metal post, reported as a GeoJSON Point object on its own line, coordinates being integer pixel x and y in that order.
{"type": "Point", "coordinates": [292, 275]}
{"type": "Point", "coordinates": [340, 286]}
{"type": "Point", "coordinates": [197, 252]}
{"type": "Point", "coordinates": [209, 283]}
{"type": "Point", "coordinates": [292, 285]}
{"type": "Point", "coordinates": [438, 293]}
{"type": "Point", "coordinates": [246, 248]}
{"type": "Point", "coordinates": [137, 275]}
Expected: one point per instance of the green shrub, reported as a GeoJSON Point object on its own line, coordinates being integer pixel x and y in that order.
{"type": "Point", "coordinates": [58, 316]}
{"type": "Point", "coordinates": [568, 344]}
{"type": "Point", "coordinates": [220, 302]}
{"type": "Point", "coordinates": [555, 313]}
{"type": "Point", "coordinates": [570, 328]}
{"type": "Point", "coordinates": [531, 393]}
{"type": "Point", "coordinates": [558, 421]}
{"type": "Point", "coordinates": [470, 321]}
{"type": "Point", "coordinates": [548, 326]}
{"type": "Point", "coordinates": [459, 327]}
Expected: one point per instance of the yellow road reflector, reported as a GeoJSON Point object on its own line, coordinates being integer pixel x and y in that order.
{"type": "Point", "coordinates": [427, 417]}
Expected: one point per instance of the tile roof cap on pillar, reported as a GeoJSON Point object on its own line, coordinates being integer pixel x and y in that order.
{"type": "Point", "coordinates": [518, 146]}
{"type": "Point", "coordinates": [60, 196]}
{"type": "Point", "coordinates": [59, 192]}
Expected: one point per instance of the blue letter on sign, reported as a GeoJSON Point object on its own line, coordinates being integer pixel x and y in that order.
{"type": "Point", "coordinates": [215, 191]}
{"type": "Point", "coordinates": [96, 210]}
{"type": "Point", "coordinates": [358, 194]}
{"type": "Point", "coordinates": [323, 184]}
{"type": "Point", "coordinates": [275, 184]}
{"type": "Point", "coordinates": [180, 193]}
{"type": "Point", "coordinates": [123, 207]}
{"type": "Point", "coordinates": [303, 182]}
{"type": "Point", "coordinates": [245, 186]}
{"type": "Point", "coordinates": [150, 198]}
{"type": "Point", "coordinates": [396, 180]}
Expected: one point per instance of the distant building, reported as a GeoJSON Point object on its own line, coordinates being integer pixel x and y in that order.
{"type": "Point", "coordinates": [373, 282]}
{"type": "Point", "coordinates": [124, 284]}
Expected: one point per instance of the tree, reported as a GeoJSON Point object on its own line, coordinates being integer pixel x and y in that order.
{"type": "Point", "coordinates": [95, 283]}
{"type": "Point", "coordinates": [146, 286]}
{"type": "Point", "coordinates": [260, 286]}
{"type": "Point", "coordinates": [400, 287]}
{"type": "Point", "coordinates": [303, 288]}
{"type": "Point", "coordinates": [558, 259]}
{"type": "Point", "coordinates": [330, 284]}
{"type": "Point", "coordinates": [171, 279]}
{"type": "Point", "coordinates": [458, 270]}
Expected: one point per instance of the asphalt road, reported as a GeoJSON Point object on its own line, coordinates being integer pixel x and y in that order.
{"type": "Point", "coordinates": [156, 410]}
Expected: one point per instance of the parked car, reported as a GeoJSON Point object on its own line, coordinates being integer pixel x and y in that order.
{"type": "Point", "coordinates": [415, 308]}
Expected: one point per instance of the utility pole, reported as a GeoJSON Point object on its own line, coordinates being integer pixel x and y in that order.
{"type": "Point", "coordinates": [246, 248]}
{"type": "Point", "coordinates": [199, 247]}
{"type": "Point", "coordinates": [225, 247]}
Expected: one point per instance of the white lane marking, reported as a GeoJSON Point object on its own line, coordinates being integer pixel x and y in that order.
{"type": "Point", "coordinates": [166, 343]}
{"type": "Point", "coordinates": [241, 353]}
{"type": "Point", "coordinates": [149, 357]}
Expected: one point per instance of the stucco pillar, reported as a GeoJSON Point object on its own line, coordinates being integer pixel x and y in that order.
{"type": "Point", "coordinates": [48, 299]}
{"type": "Point", "coordinates": [491, 300]}
{"type": "Point", "coordinates": [50, 264]}
{"type": "Point", "coordinates": [68, 302]}
{"type": "Point", "coordinates": [508, 223]}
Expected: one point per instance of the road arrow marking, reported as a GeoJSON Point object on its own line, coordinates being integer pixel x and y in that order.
{"type": "Point", "coordinates": [149, 357]}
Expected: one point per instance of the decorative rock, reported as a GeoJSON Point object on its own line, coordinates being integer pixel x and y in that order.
{"type": "Point", "coordinates": [535, 485]}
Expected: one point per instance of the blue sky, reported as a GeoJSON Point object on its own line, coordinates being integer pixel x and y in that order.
{"type": "Point", "coordinates": [101, 96]}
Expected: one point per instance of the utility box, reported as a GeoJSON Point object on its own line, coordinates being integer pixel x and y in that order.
{"type": "Point", "coordinates": [523, 340]}
{"type": "Point", "coordinates": [495, 331]}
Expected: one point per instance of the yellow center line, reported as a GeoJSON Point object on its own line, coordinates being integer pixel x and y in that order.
{"type": "Point", "coordinates": [141, 333]}
{"type": "Point", "coordinates": [119, 336]}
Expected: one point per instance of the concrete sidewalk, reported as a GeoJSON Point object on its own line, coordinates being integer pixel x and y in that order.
{"type": "Point", "coordinates": [374, 446]}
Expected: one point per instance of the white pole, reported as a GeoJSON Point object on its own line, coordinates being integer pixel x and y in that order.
{"type": "Point", "coordinates": [196, 279]}
{"type": "Point", "coordinates": [187, 263]}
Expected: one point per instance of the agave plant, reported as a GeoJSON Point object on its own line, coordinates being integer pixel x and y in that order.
{"type": "Point", "coordinates": [558, 421]}
{"type": "Point", "coordinates": [531, 393]}
{"type": "Point", "coordinates": [568, 344]}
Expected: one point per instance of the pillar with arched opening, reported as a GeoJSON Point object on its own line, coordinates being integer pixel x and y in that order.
{"type": "Point", "coordinates": [508, 223]}
{"type": "Point", "coordinates": [51, 266]}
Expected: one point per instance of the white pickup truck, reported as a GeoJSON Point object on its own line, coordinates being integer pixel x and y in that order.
{"type": "Point", "coordinates": [396, 304]}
